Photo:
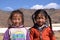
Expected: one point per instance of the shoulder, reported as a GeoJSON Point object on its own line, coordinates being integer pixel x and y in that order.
{"type": "Point", "coordinates": [6, 35]}
{"type": "Point", "coordinates": [7, 31]}
{"type": "Point", "coordinates": [32, 29]}
{"type": "Point", "coordinates": [48, 29]}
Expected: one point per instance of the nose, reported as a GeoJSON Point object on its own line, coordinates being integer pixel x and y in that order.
{"type": "Point", "coordinates": [17, 20]}
{"type": "Point", "coordinates": [40, 20]}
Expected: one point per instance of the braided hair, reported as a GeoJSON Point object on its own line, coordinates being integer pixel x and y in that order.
{"type": "Point", "coordinates": [42, 11]}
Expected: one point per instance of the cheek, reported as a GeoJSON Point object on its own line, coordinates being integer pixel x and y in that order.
{"type": "Point", "coordinates": [40, 21]}
{"type": "Point", "coordinates": [13, 21]}
{"type": "Point", "coordinates": [43, 20]}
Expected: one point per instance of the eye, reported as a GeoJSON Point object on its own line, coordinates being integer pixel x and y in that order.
{"type": "Point", "coordinates": [14, 19]}
{"type": "Point", "coordinates": [40, 18]}
{"type": "Point", "coordinates": [18, 18]}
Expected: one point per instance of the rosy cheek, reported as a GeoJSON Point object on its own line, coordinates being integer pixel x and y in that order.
{"type": "Point", "coordinates": [40, 21]}
{"type": "Point", "coordinates": [43, 20]}
{"type": "Point", "coordinates": [13, 21]}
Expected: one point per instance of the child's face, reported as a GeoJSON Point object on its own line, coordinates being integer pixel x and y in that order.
{"type": "Point", "coordinates": [17, 19]}
{"type": "Point", "coordinates": [40, 19]}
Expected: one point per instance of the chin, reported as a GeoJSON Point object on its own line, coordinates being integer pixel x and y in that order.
{"type": "Point", "coordinates": [40, 24]}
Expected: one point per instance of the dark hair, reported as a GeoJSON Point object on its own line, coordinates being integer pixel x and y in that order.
{"type": "Point", "coordinates": [42, 11]}
{"type": "Point", "coordinates": [16, 12]}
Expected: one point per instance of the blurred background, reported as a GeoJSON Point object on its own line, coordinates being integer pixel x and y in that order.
{"type": "Point", "coordinates": [28, 7]}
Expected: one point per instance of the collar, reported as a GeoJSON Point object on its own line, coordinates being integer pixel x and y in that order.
{"type": "Point", "coordinates": [42, 27]}
{"type": "Point", "coordinates": [18, 26]}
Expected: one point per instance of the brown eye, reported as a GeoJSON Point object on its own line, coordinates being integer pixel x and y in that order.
{"type": "Point", "coordinates": [42, 18]}
{"type": "Point", "coordinates": [38, 18]}
{"type": "Point", "coordinates": [13, 18]}
{"type": "Point", "coordinates": [18, 18]}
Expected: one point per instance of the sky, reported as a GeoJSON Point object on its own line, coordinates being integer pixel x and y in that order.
{"type": "Point", "coordinates": [11, 5]}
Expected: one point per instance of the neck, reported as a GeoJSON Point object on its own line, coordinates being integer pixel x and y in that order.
{"type": "Point", "coordinates": [14, 26]}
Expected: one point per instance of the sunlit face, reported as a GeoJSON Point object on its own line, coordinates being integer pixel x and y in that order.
{"type": "Point", "coordinates": [17, 19]}
{"type": "Point", "coordinates": [40, 19]}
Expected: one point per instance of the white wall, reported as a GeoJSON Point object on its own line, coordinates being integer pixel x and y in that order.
{"type": "Point", "coordinates": [2, 30]}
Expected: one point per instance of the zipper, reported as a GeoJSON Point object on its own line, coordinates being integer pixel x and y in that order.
{"type": "Point", "coordinates": [41, 35]}
{"type": "Point", "coordinates": [41, 31]}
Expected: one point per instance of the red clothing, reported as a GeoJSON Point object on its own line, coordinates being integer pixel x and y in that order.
{"type": "Point", "coordinates": [45, 34]}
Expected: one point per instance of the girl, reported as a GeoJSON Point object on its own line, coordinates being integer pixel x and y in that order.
{"type": "Point", "coordinates": [16, 30]}
{"type": "Point", "coordinates": [41, 30]}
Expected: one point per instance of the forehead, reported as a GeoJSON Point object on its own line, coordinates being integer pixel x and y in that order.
{"type": "Point", "coordinates": [41, 15]}
{"type": "Point", "coordinates": [17, 15]}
